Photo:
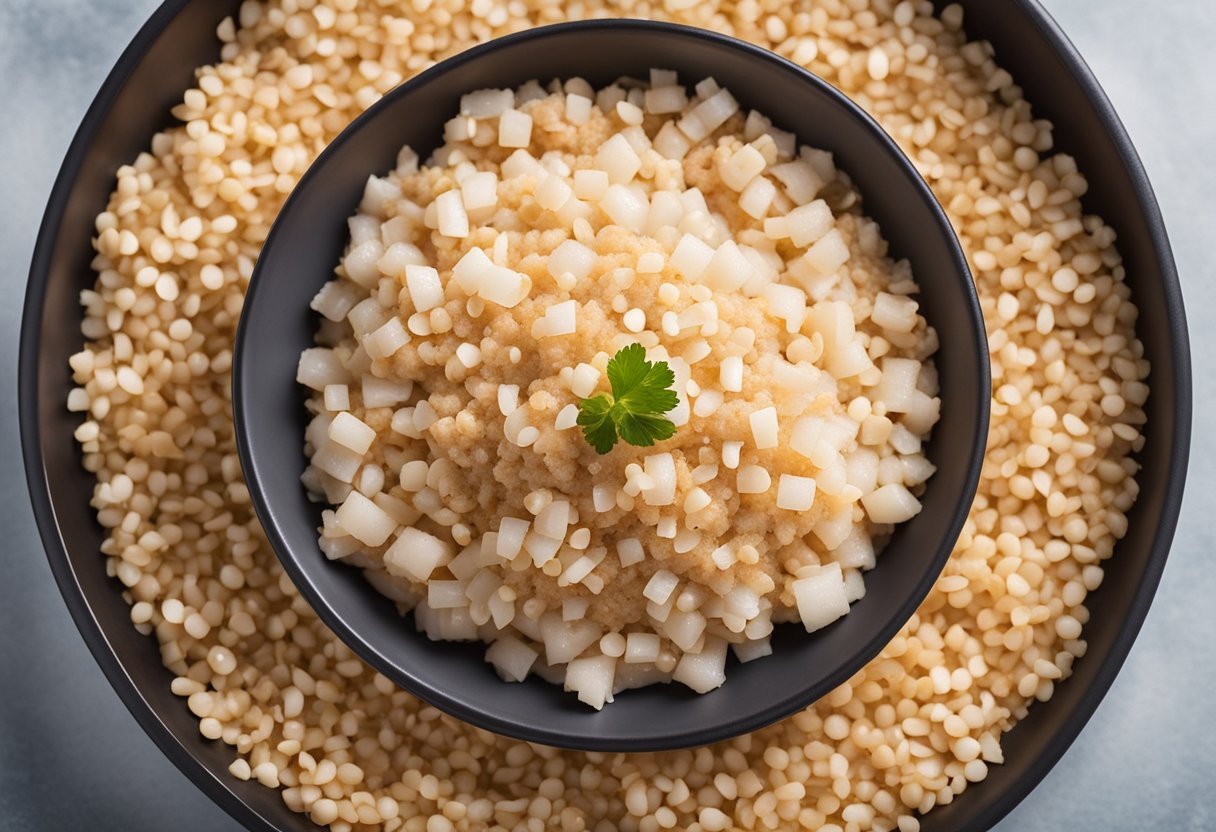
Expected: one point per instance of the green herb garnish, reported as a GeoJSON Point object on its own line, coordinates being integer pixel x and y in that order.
{"type": "Point", "coordinates": [640, 395]}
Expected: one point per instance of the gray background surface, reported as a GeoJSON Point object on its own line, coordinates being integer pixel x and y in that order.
{"type": "Point", "coordinates": [71, 758]}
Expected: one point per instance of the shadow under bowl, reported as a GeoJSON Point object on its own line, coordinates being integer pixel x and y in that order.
{"type": "Point", "coordinates": [307, 241]}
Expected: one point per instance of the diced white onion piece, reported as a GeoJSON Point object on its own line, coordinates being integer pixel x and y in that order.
{"type": "Point", "coordinates": [764, 427]}
{"type": "Point", "coordinates": [795, 493]}
{"type": "Point", "coordinates": [730, 373]}
{"type": "Point", "coordinates": [514, 128]}
{"type": "Point", "coordinates": [364, 520]}
{"type": "Point", "coordinates": [892, 503]}
{"type": "Point", "coordinates": [642, 648]}
{"type": "Point", "coordinates": [684, 628]}
{"type": "Point", "coordinates": [591, 678]}
{"type": "Point", "coordinates": [337, 461]}
{"type": "Point", "coordinates": [856, 552]}
{"type": "Point", "coordinates": [671, 143]}
{"type": "Point", "coordinates": [508, 398]}
{"type": "Point", "coordinates": [479, 190]}
{"type": "Point", "coordinates": [703, 671]}
{"type": "Point", "coordinates": [560, 319]}
{"type": "Point", "coordinates": [565, 640]}
{"type": "Point", "coordinates": [894, 313]}
{"type": "Point", "coordinates": [352, 432]}
{"type": "Point", "coordinates": [805, 435]}
{"type": "Point", "coordinates": [629, 551]}
{"type": "Point", "coordinates": [441, 595]}
{"type": "Point", "coordinates": [571, 257]}
{"type": "Point", "coordinates": [469, 355]}
{"type": "Point", "coordinates": [618, 159]}
{"type": "Point", "coordinates": [590, 184]}
{"type": "Point", "coordinates": [691, 257]}
{"type": "Point", "coordinates": [398, 257]}
{"type": "Point", "coordinates": [728, 269]}
{"type": "Point", "coordinates": [567, 417]}
{"type": "Point", "coordinates": [553, 520]}
{"type": "Point", "coordinates": [723, 557]}
{"type": "Point", "coordinates": [897, 389]}
{"type": "Point", "coordinates": [801, 181]}
{"type": "Point", "coordinates": [666, 99]}
{"type": "Point", "coordinates": [757, 197]}
{"type": "Point", "coordinates": [625, 207]}
{"type": "Point", "coordinates": [741, 167]}
{"type": "Point", "coordinates": [511, 534]}
{"type": "Point", "coordinates": [361, 262]}
{"type": "Point", "coordinates": [319, 367]}
{"type": "Point", "coordinates": [337, 397]}
{"type": "Point", "coordinates": [552, 192]}
{"type": "Point", "coordinates": [540, 548]}
{"type": "Point", "coordinates": [578, 108]}
{"type": "Point", "coordinates": [486, 103]}
{"type": "Point", "coordinates": [753, 479]}
{"type": "Point", "coordinates": [828, 254]}
{"type": "Point", "coordinates": [660, 586]}
{"type": "Point", "coordinates": [387, 339]}
{"type": "Point", "coordinates": [512, 658]}
{"type": "Point", "coordinates": [787, 303]}
{"type": "Point", "coordinates": [471, 270]}
{"type": "Point", "coordinates": [584, 380]}
{"type": "Point", "coordinates": [661, 468]}
{"type": "Point", "coordinates": [752, 649]}
{"type": "Point", "coordinates": [336, 298]}
{"type": "Point", "coordinates": [504, 286]}
{"type": "Point", "coordinates": [416, 554]}
{"type": "Point", "coordinates": [452, 220]}
{"type": "Point", "coordinates": [821, 597]}
{"type": "Point", "coordinates": [712, 113]}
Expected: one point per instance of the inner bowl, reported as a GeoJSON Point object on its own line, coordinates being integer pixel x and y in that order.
{"type": "Point", "coordinates": [307, 241]}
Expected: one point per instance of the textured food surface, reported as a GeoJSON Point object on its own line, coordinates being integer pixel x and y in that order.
{"type": "Point", "coordinates": [911, 730]}
{"type": "Point", "coordinates": [482, 297]}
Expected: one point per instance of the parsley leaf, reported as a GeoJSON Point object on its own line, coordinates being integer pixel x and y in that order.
{"type": "Point", "coordinates": [640, 395]}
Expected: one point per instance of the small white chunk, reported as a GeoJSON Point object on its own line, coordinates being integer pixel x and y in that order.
{"type": "Point", "coordinates": [591, 678]}
{"type": "Point", "coordinates": [892, 503]}
{"type": "Point", "coordinates": [364, 520]}
{"type": "Point", "coordinates": [514, 128]}
{"type": "Point", "coordinates": [795, 493]}
{"type": "Point", "coordinates": [753, 479]}
{"type": "Point", "coordinates": [352, 432]}
{"type": "Point", "coordinates": [660, 586]}
{"type": "Point", "coordinates": [821, 597]}
{"type": "Point", "coordinates": [764, 427]}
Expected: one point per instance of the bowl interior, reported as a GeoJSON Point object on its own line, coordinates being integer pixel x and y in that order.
{"type": "Point", "coordinates": [307, 241]}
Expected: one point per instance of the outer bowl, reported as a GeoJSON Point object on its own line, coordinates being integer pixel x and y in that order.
{"type": "Point", "coordinates": [134, 103]}
{"type": "Point", "coordinates": [307, 240]}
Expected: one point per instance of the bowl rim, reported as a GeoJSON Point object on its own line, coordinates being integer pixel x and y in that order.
{"type": "Point", "coordinates": [800, 693]}
{"type": "Point", "coordinates": [998, 805]}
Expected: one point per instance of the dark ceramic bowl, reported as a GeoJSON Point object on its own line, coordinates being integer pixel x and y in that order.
{"type": "Point", "coordinates": [134, 102]}
{"type": "Point", "coordinates": [308, 239]}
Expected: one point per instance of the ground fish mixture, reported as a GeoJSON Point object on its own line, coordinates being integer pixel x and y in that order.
{"type": "Point", "coordinates": [480, 301]}
{"type": "Point", "coordinates": [911, 730]}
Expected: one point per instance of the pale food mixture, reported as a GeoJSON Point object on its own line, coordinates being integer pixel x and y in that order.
{"type": "Point", "coordinates": [913, 729]}
{"type": "Point", "coordinates": [480, 300]}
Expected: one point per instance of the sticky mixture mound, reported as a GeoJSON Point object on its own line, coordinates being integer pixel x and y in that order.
{"type": "Point", "coordinates": [557, 235]}
{"type": "Point", "coordinates": [299, 713]}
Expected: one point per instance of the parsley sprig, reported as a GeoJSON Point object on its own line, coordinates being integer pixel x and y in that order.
{"type": "Point", "coordinates": [633, 412]}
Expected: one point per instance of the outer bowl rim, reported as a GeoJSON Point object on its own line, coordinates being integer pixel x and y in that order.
{"type": "Point", "coordinates": [220, 791]}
